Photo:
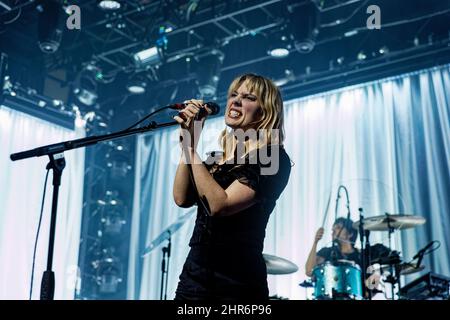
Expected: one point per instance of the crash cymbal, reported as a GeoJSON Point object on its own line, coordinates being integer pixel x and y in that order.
{"type": "Point", "coordinates": [168, 232]}
{"type": "Point", "coordinates": [277, 265]}
{"type": "Point", "coordinates": [388, 221]}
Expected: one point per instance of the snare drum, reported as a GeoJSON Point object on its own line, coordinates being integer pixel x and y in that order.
{"type": "Point", "coordinates": [339, 280]}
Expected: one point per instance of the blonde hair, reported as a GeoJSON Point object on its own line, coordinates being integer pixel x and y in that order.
{"type": "Point", "coordinates": [271, 103]}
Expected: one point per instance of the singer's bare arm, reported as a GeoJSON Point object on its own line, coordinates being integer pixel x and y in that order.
{"type": "Point", "coordinates": [183, 191]}
{"type": "Point", "coordinates": [221, 202]}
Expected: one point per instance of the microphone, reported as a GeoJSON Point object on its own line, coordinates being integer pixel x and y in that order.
{"type": "Point", "coordinates": [422, 251]}
{"type": "Point", "coordinates": [211, 105]}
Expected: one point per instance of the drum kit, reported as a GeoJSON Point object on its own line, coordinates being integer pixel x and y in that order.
{"type": "Point", "coordinates": [343, 279]}
{"type": "Point", "coordinates": [337, 280]}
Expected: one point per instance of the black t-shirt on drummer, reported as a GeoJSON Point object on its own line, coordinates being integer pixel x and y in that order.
{"type": "Point", "coordinates": [333, 254]}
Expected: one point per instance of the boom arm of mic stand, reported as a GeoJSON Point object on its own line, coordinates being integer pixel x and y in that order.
{"type": "Point", "coordinates": [79, 143]}
{"type": "Point", "coordinates": [57, 163]}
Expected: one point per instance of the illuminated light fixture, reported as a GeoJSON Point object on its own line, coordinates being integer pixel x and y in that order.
{"type": "Point", "coordinates": [86, 90]}
{"type": "Point", "coordinates": [50, 27]}
{"type": "Point", "coordinates": [361, 56]}
{"type": "Point", "coordinates": [147, 57]}
{"type": "Point", "coordinates": [351, 33]}
{"type": "Point", "coordinates": [109, 5]}
{"type": "Point", "coordinates": [279, 47]}
{"type": "Point", "coordinates": [305, 26]}
{"type": "Point", "coordinates": [288, 77]}
{"type": "Point", "coordinates": [383, 50]}
{"type": "Point", "coordinates": [42, 103]}
{"type": "Point", "coordinates": [136, 87]}
{"type": "Point", "coordinates": [207, 73]}
{"type": "Point", "coordinates": [279, 52]}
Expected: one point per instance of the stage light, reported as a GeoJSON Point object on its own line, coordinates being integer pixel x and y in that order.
{"type": "Point", "coordinates": [109, 270]}
{"type": "Point", "coordinates": [361, 56]}
{"type": "Point", "coordinates": [50, 27]}
{"type": "Point", "coordinates": [151, 56]}
{"type": "Point", "coordinates": [279, 52]}
{"type": "Point", "coordinates": [136, 86]}
{"type": "Point", "coordinates": [288, 77]}
{"type": "Point", "coordinates": [305, 26]}
{"type": "Point", "coordinates": [86, 90]}
{"type": "Point", "coordinates": [207, 73]}
{"type": "Point", "coordinates": [279, 46]}
{"type": "Point", "coordinates": [42, 103]}
{"type": "Point", "coordinates": [383, 50]}
{"type": "Point", "coordinates": [109, 5]}
{"type": "Point", "coordinates": [340, 60]}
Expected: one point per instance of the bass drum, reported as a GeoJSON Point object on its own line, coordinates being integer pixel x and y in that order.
{"type": "Point", "coordinates": [341, 280]}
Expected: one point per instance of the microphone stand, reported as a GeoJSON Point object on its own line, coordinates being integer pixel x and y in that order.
{"type": "Point", "coordinates": [164, 270]}
{"type": "Point", "coordinates": [361, 238]}
{"type": "Point", "coordinates": [57, 163]}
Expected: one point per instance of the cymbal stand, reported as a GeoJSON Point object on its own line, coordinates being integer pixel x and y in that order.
{"type": "Point", "coordinates": [394, 275]}
{"type": "Point", "coordinates": [165, 268]}
{"type": "Point", "coordinates": [363, 251]}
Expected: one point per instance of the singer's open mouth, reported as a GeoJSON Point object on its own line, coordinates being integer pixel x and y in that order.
{"type": "Point", "coordinates": [233, 113]}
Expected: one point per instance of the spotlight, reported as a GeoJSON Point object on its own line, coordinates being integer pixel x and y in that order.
{"type": "Point", "coordinates": [288, 77]}
{"type": "Point", "coordinates": [207, 72]}
{"type": "Point", "coordinates": [305, 26]}
{"type": "Point", "coordinates": [136, 86]}
{"type": "Point", "coordinates": [361, 56]}
{"type": "Point", "coordinates": [86, 90]}
{"type": "Point", "coordinates": [279, 47]}
{"type": "Point", "coordinates": [109, 5]}
{"type": "Point", "coordinates": [109, 271]}
{"type": "Point", "coordinates": [49, 26]}
{"type": "Point", "coordinates": [383, 50]}
{"type": "Point", "coordinates": [151, 56]}
{"type": "Point", "coordinates": [279, 52]}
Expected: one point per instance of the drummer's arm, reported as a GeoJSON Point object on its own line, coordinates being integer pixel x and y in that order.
{"type": "Point", "coordinates": [313, 260]}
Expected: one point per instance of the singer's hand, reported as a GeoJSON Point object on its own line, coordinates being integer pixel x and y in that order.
{"type": "Point", "coordinates": [319, 235]}
{"type": "Point", "coordinates": [190, 125]}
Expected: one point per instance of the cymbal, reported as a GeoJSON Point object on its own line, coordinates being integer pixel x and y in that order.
{"type": "Point", "coordinates": [277, 265]}
{"type": "Point", "coordinates": [394, 221]}
{"type": "Point", "coordinates": [168, 232]}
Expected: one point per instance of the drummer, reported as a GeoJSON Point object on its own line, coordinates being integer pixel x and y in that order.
{"type": "Point", "coordinates": [344, 238]}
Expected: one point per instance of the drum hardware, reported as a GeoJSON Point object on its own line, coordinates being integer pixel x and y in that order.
{"type": "Point", "coordinates": [429, 286]}
{"type": "Point", "coordinates": [166, 250]}
{"type": "Point", "coordinates": [390, 223]}
{"type": "Point", "coordinates": [307, 284]}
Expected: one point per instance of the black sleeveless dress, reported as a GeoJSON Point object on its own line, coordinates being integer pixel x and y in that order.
{"type": "Point", "coordinates": [225, 261]}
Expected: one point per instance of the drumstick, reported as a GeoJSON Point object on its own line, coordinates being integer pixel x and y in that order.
{"type": "Point", "coordinates": [326, 209]}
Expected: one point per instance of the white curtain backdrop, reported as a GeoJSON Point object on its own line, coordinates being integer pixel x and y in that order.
{"type": "Point", "coordinates": [20, 202]}
{"type": "Point", "coordinates": [387, 141]}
